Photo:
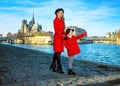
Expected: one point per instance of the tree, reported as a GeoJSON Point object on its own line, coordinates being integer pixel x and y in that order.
{"type": "Point", "coordinates": [9, 35]}
{"type": "Point", "coordinates": [118, 34]}
{"type": "Point", "coordinates": [20, 35]}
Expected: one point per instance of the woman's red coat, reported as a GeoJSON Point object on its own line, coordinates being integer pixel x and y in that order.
{"type": "Point", "coordinates": [72, 45]}
{"type": "Point", "coordinates": [59, 26]}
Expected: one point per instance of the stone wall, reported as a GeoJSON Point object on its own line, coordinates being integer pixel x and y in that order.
{"type": "Point", "coordinates": [118, 40]}
{"type": "Point", "coordinates": [38, 40]}
{"type": "Point", "coordinates": [18, 41]}
{"type": "Point", "coordinates": [14, 41]}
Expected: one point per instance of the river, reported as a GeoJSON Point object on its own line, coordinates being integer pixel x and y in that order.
{"type": "Point", "coordinates": [99, 53]}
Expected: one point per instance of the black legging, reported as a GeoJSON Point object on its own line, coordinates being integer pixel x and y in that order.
{"type": "Point", "coordinates": [56, 56]}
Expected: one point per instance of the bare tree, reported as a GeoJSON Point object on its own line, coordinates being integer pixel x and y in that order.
{"type": "Point", "coordinates": [9, 35]}
{"type": "Point", "coordinates": [118, 34]}
{"type": "Point", "coordinates": [20, 35]}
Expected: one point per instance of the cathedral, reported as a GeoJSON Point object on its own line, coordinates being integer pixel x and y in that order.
{"type": "Point", "coordinates": [30, 28]}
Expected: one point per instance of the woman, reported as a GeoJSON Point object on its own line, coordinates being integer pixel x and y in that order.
{"type": "Point", "coordinates": [59, 26]}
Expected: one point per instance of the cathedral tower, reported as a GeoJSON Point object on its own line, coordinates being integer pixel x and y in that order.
{"type": "Point", "coordinates": [32, 22]}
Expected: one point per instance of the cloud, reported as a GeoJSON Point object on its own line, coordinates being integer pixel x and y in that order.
{"type": "Point", "coordinates": [96, 21]}
{"type": "Point", "coordinates": [9, 24]}
{"type": "Point", "coordinates": [96, 17]}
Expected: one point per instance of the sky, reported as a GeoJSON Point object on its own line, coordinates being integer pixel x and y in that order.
{"type": "Point", "coordinates": [97, 17]}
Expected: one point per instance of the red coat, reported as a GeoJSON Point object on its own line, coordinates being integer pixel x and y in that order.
{"type": "Point", "coordinates": [59, 26]}
{"type": "Point", "coordinates": [72, 45]}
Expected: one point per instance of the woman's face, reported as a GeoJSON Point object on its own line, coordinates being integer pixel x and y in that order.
{"type": "Point", "coordinates": [60, 14]}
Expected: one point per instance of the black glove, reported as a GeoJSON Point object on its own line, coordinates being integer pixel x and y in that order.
{"type": "Point", "coordinates": [65, 38]}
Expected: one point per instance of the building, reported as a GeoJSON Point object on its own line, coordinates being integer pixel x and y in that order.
{"type": "Point", "coordinates": [108, 35]}
{"type": "Point", "coordinates": [29, 28]}
{"type": "Point", "coordinates": [1, 38]}
{"type": "Point", "coordinates": [111, 35]}
{"type": "Point", "coordinates": [0, 35]}
{"type": "Point", "coordinates": [32, 33]}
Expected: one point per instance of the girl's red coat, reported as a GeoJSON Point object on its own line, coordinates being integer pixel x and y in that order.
{"type": "Point", "coordinates": [59, 26]}
{"type": "Point", "coordinates": [71, 44]}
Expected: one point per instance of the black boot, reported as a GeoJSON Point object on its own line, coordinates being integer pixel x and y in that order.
{"type": "Point", "coordinates": [70, 72]}
{"type": "Point", "coordinates": [59, 69]}
{"type": "Point", "coordinates": [53, 65]}
{"type": "Point", "coordinates": [59, 66]}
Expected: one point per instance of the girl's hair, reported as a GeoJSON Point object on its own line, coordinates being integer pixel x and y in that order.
{"type": "Point", "coordinates": [68, 30]}
{"type": "Point", "coordinates": [57, 10]}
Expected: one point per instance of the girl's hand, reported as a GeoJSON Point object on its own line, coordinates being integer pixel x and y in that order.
{"type": "Point", "coordinates": [65, 38]}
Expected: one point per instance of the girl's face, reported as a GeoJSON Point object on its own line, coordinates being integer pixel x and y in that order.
{"type": "Point", "coordinates": [60, 14]}
{"type": "Point", "coordinates": [71, 32]}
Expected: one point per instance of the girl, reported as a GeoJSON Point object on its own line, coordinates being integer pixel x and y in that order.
{"type": "Point", "coordinates": [72, 47]}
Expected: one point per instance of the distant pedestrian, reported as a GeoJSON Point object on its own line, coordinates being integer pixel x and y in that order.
{"type": "Point", "coordinates": [72, 47]}
{"type": "Point", "coordinates": [58, 46]}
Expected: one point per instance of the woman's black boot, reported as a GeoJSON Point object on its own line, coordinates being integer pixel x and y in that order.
{"type": "Point", "coordinates": [59, 69]}
{"type": "Point", "coordinates": [53, 67]}
{"type": "Point", "coordinates": [59, 66]}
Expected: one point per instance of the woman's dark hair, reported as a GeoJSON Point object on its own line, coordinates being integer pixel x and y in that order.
{"type": "Point", "coordinates": [68, 30]}
{"type": "Point", "coordinates": [57, 10]}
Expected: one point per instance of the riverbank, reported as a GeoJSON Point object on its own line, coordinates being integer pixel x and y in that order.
{"type": "Point", "coordinates": [24, 67]}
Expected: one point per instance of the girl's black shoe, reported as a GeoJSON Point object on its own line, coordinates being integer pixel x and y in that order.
{"type": "Point", "coordinates": [70, 72]}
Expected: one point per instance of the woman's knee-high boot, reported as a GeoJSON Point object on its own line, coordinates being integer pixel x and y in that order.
{"type": "Point", "coordinates": [59, 66]}
{"type": "Point", "coordinates": [53, 65]}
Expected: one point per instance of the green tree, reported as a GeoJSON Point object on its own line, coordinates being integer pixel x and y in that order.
{"type": "Point", "coordinates": [37, 34]}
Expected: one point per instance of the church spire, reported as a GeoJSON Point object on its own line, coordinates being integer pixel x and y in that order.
{"type": "Point", "coordinates": [33, 20]}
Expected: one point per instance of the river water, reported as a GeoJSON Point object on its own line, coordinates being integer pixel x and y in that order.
{"type": "Point", "coordinates": [99, 53]}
